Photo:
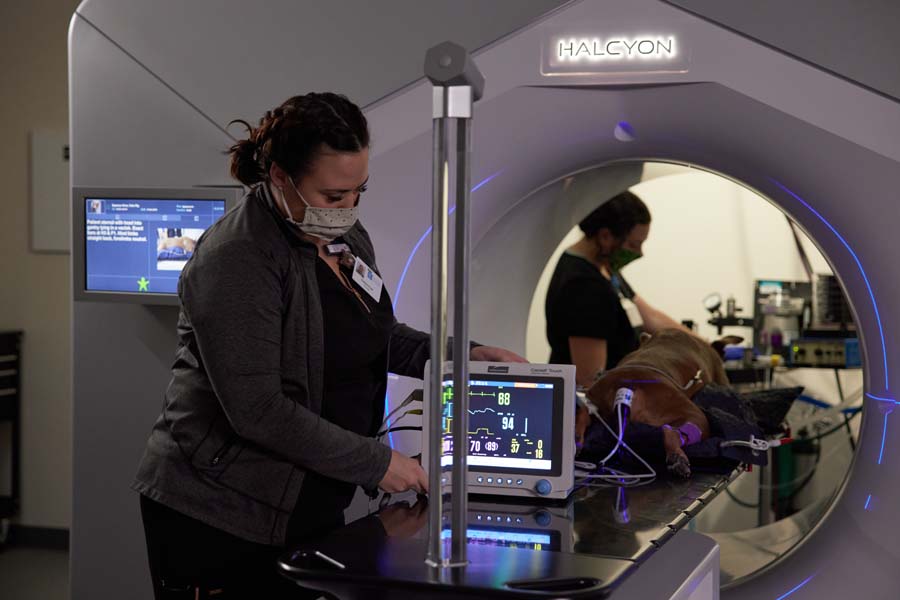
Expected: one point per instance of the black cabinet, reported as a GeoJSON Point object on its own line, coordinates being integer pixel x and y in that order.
{"type": "Point", "coordinates": [10, 410]}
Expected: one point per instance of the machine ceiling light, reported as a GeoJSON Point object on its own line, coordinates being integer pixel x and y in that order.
{"type": "Point", "coordinates": [624, 132]}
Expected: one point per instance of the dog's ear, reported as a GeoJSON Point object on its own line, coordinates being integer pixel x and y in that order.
{"type": "Point", "coordinates": [719, 345]}
{"type": "Point", "coordinates": [645, 337]}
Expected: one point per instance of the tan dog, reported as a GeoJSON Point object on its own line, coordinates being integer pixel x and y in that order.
{"type": "Point", "coordinates": [664, 373]}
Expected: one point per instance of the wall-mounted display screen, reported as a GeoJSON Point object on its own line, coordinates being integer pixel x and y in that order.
{"type": "Point", "coordinates": [131, 245]}
{"type": "Point", "coordinates": [141, 245]}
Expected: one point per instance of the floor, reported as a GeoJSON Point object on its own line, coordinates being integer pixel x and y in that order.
{"type": "Point", "coordinates": [34, 574]}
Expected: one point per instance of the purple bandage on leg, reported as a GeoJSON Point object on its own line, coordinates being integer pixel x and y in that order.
{"type": "Point", "coordinates": [691, 432]}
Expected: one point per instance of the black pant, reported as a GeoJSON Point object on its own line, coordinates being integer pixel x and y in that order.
{"type": "Point", "coordinates": [191, 560]}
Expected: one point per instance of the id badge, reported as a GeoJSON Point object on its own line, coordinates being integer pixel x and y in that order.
{"type": "Point", "coordinates": [335, 249]}
{"type": "Point", "coordinates": [367, 279]}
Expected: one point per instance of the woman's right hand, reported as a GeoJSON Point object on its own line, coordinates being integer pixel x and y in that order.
{"type": "Point", "coordinates": [404, 473]}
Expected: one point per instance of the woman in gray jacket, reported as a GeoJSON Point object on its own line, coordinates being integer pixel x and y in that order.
{"type": "Point", "coordinates": [281, 369]}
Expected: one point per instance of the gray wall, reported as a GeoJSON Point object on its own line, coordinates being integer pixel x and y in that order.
{"type": "Point", "coordinates": [148, 107]}
{"type": "Point", "coordinates": [857, 39]}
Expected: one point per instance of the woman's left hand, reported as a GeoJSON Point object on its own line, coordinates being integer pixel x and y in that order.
{"type": "Point", "coordinates": [492, 354]}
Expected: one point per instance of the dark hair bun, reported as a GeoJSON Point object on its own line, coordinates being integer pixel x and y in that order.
{"type": "Point", "coordinates": [620, 214]}
{"type": "Point", "coordinates": [292, 134]}
{"type": "Point", "coordinates": [245, 166]}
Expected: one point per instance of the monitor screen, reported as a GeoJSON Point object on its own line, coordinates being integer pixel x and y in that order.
{"type": "Point", "coordinates": [140, 245]}
{"type": "Point", "coordinates": [511, 421]}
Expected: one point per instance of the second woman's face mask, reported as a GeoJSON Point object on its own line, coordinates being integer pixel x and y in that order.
{"type": "Point", "coordinates": [322, 222]}
{"type": "Point", "coordinates": [621, 257]}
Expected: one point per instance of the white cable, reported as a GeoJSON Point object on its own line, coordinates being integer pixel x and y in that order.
{"type": "Point", "coordinates": [618, 436]}
{"type": "Point", "coordinates": [615, 476]}
{"type": "Point", "coordinates": [409, 399]}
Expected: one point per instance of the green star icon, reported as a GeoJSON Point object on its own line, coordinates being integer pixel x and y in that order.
{"type": "Point", "coordinates": [143, 282]}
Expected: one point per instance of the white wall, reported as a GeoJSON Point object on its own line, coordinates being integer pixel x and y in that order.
{"type": "Point", "coordinates": [710, 234]}
{"type": "Point", "coordinates": [35, 288]}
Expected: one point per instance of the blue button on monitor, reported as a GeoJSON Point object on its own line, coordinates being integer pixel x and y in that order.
{"type": "Point", "coordinates": [480, 479]}
{"type": "Point", "coordinates": [542, 518]}
{"type": "Point", "coordinates": [543, 487]}
{"type": "Point", "coordinates": [509, 482]}
{"type": "Point", "coordinates": [490, 480]}
{"type": "Point", "coordinates": [519, 482]}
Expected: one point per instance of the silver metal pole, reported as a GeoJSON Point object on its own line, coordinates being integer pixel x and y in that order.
{"type": "Point", "coordinates": [457, 85]}
{"type": "Point", "coordinates": [440, 192]}
{"type": "Point", "coordinates": [459, 499]}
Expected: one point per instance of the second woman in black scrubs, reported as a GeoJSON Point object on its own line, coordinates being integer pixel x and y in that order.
{"type": "Point", "coordinates": [586, 323]}
{"type": "Point", "coordinates": [281, 369]}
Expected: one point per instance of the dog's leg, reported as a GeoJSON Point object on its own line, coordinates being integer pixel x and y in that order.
{"type": "Point", "coordinates": [676, 460]}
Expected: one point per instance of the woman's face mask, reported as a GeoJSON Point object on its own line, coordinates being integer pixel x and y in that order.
{"type": "Point", "coordinates": [624, 250]}
{"type": "Point", "coordinates": [322, 222]}
{"type": "Point", "coordinates": [621, 257]}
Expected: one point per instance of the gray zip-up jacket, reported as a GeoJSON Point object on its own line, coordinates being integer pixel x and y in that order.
{"type": "Point", "coordinates": [241, 422]}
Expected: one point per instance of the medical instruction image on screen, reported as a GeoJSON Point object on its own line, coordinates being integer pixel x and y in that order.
{"type": "Point", "coordinates": [141, 245]}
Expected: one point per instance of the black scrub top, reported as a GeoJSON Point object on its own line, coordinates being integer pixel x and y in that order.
{"type": "Point", "coordinates": [356, 342]}
{"type": "Point", "coordinates": [581, 302]}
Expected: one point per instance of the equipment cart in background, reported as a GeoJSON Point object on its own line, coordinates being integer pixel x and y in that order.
{"type": "Point", "coordinates": [10, 428]}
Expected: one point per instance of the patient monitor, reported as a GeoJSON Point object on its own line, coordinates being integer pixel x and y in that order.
{"type": "Point", "coordinates": [521, 429]}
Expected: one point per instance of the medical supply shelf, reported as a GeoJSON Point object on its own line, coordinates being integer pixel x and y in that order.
{"type": "Point", "coordinates": [10, 410]}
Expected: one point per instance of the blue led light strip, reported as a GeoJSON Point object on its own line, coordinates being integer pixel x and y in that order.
{"type": "Point", "coordinates": [425, 235]}
{"type": "Point", "coordinates": [881, 399]}
{"type": "Point", "coordinates": [884, 429]}
{"type": "Point", "coordinates": [861, 270]}
{"type": "Point", "coordinates": [804, 582]}
{"type": "Point", "coordinates": [884, 435]}
{"type": "Point", "coordinates": [869, 499]}
{"type": "Point", "coordinates": [406, 268]}
{"type": "Point", "coordinates": [387, 410]}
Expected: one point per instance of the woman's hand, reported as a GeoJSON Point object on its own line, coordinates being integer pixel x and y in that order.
{"type": "Point", "coordinates": [404, 473]}
{"type": "Point", "coordinates": [492, 354]}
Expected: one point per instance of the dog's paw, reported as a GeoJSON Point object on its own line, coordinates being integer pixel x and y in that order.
{"type": "Point", "coordinates": [678, 465]}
